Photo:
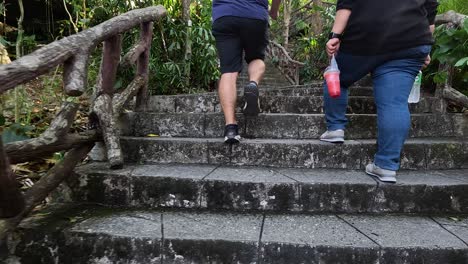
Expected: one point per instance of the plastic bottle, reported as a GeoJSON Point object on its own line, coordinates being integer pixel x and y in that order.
{"type": "Point", "coordinates": [332, 77]}
{"type": "Point", "coordinates": [415, 93]}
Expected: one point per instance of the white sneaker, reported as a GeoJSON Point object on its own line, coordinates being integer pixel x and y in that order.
{"type": "Point", "coordinates": [335, 136]}
{"type": "Point", "coordinates": [381, 174]}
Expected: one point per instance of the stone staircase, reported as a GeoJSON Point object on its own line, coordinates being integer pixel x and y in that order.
{"type": "Point", "coordinates": [281, 196]}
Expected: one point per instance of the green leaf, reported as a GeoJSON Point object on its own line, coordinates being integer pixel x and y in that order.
{"type": "Point", "coordinates": [2, 120]}
{"type": "Point", "coordinates": [461, 62]}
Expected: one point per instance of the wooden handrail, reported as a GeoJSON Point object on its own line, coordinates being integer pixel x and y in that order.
{"type": "Point", "coordinates": [73, 50]}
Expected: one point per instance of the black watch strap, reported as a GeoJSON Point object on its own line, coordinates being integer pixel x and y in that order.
{"type": "Point", "coordinates": [334, 35]}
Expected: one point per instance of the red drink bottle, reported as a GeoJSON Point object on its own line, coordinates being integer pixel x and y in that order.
{"type": "Point", "coordinates": [332, 77]}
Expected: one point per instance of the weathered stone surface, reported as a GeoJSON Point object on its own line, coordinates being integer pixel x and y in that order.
{"type": "Point", "coordinates": [412, 156]}
{"type": "Point", "coordinates": [284, 126]}
{"type": "Point", "coordinates": [334, 190]}
{"type": "Point", "coordinates": [285, 100]}
{"type": "Point", "coordinates": [99, 235]}
{"type": "Point", "coordinates": [272, 126]}
{"type": "Point", "coordinates": [314, 239]}
{"type": "Point", "coordinates": [152, 150]}
{"type": "Point", "coordinates": [460, 123]}
{"type": "Point", "coordinates": [196, 103]}
{"type": "Point", "coordinates": [273, 189]}
{"type": "Point", "coordinates": [96, 183]}
{"type": "Point", "coordinates": [214, 124]}
{"type": "Point", "coordinates": [162, 104]}
{"type": "Point", "coordinates": [422, 192]}
{"type": "Point", "coordinates": [168, 185]}
{"type": "Point", "coordinates": [170, 125]}
{"type": "Point", "coordinates": [447, 154]}
{"type": "Point", "coordinates": [244, 188]}
{"type": "Point", "coordinates": [200, 238]}
{"type": "Point", "coordinates": [277, 153]}
{"type": "Point", "coordinates": [458, 225]}
{"type": "Point", "coordinates": [417, 153]}
{"type": "Point", "coordinates": [424, 240]}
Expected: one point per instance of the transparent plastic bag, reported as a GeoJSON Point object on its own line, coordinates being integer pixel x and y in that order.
{"type": "Point", "coordinates": [415, 93]}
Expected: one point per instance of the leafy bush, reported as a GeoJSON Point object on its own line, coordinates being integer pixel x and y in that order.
{"type": "Point", "coordinates": [451, 48]}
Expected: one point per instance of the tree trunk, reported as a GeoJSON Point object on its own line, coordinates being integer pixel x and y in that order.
{"type": "Point", "coordinates": [188, 40]}
{"type": "Point", "coordinates": [287, 21]}
{"type": "Point", "coordinates": [19, 53]}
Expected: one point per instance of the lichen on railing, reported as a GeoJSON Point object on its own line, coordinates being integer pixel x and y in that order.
{"type": "Point", "coordinates": [73, 54]}
{"type": "Point", "coordinates": [289, 67]}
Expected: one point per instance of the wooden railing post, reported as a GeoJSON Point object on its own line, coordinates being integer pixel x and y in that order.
{"type": "Point", "coordinates": [109, 64]}
{"type": "Point", "coordinates": [146, 36]}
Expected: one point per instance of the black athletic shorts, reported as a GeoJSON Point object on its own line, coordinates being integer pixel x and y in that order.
{"type": "Point", "coordinates": [235, 35]}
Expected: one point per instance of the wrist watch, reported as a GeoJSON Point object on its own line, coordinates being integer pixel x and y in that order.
{"type": "Point", "coordinates": [334, 35]}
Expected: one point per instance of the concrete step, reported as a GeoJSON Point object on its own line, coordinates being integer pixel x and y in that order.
{"type": "Point", "coordinates": [275, 81]}
{"type": "Point", "coordinates": [444, 153]}
{"type": "Point", "coordinates": [261, 188]}
{"type": "Point", "coordinates": [94, 235]}
{"type": "Point", "coordinates": [286, 126]}
{"type": "Point", "coordinates": [276, 103]}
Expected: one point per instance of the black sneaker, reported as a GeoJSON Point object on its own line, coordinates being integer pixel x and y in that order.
{"type": "Point", "coordinates": [231, 134]}
{"type": "Point", "coordinates": [252, 102]}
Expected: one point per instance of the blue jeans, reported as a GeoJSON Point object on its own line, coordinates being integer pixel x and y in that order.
{"type": "Point", "coordinates": [393, 77]}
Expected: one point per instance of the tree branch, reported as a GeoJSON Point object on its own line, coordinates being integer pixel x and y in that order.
{"type": "Point", "coordinates": [450, 17]}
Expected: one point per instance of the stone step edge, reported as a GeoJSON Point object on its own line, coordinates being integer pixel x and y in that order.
{"type": "Point", "coordinates": [260, 237]}
{"type": "Point", "coordinates": [433, 153]}
{"type": "Point", "coordinates": [293, 190]}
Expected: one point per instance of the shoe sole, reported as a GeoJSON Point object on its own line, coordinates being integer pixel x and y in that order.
{"type": "Point", "coordinates": [333, 140]}
{"type": "Point", "coordinates": [252, 104]}
{"type": "Point", "coordinates": [234, 140]}
{"type": "Point", "coordinates": [380, 178]}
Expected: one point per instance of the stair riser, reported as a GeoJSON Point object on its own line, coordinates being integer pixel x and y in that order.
{"type": "Point", "coordinates": [85, 248]}
{"type": "Point", "coordinates": [275, 104]}
{"type": "Point", "coordinates": [353, 155]}
{"type": "Point", "coordinates": [281, 126]}
{"type": "Point", "coordinates": [352, 197]}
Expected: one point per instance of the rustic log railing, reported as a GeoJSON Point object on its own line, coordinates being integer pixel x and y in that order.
{"type": "Point", "coordinates": [289, 67]}
{"type": "Point", "coordinates": [73, 53]}
{"type": "Point", "coordinates": [450, 19]}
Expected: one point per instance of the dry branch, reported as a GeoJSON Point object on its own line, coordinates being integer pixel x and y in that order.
{"type": "Point", "coordinates": [286, 54]}
{"type": "Point", "coordinates": [450, 17]}
{"type": "Point", "coordinates": [119, 100]}
{"type": "Point", "coordinates": [11, 200]}
{"type": "Point", "coordinates": [37, 148]}
{"type": "Point", "coordinates": [48, 57]}
{"type": "Point", "coordinates": [134, 53]}
{"type": "Point", "coordinates": [55, 138]}
{"type": "Point", "coordinates": [36, 194]}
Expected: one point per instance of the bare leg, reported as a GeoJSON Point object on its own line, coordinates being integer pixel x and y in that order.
{"type": "Point", "coordinates": [256, 70]}
{"type": "Point", "coordinates": [228, 96]}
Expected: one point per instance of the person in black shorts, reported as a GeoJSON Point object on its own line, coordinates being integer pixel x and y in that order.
{"type": "Point", "coordinates": [240, 27]}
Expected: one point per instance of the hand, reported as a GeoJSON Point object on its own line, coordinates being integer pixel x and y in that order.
{"type": "Point", "coordinates": [332, 47]}
{"type": "Point", "coordinates": [427, 61]}
{"type": "Point", "coordinates": [273, 14]}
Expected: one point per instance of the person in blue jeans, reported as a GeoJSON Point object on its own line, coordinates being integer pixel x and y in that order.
{"type": "Point", "coordinates": [391, 40]}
